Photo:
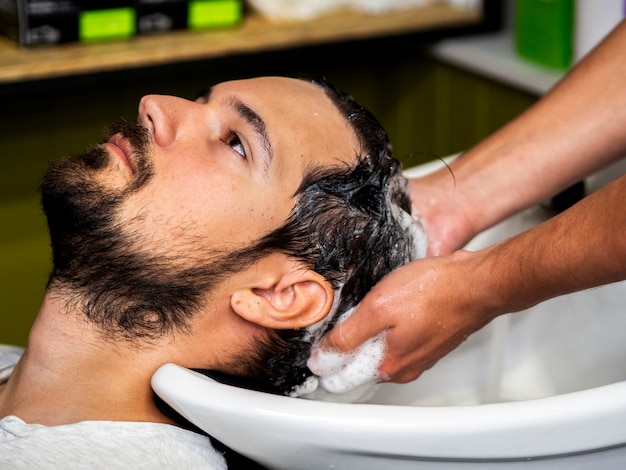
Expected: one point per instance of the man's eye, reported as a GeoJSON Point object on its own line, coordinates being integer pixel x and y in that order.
{"type": "Point", "coordinates": [233, 140]}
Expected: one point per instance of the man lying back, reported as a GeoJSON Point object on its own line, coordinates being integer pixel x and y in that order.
{"type": "Point", "coordinates": [228, 234]}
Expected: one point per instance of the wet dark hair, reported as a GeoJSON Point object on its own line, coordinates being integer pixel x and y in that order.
{"type": "Point", "coordinates": [346, 226]}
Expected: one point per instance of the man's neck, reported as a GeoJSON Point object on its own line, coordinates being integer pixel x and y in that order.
{"type": "Point", "coordinates": [71, 373]}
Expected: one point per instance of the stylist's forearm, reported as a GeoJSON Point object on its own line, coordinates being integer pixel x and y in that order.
{"type": "Point", "coordinates": [574, 130]}
{"type": "Point", "coordinates": [581, 248]}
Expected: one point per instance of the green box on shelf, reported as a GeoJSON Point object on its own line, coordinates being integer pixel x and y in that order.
{"type": "Point", "coordinates": [168, 15]}
{"type": "Point", "coordinates": [106, 24]}
{"type": "Point", "coordinates": [46, 22]}
{"type": "Point", "coordinates": [544, 31]}
{"type": "Point", "coordinates": [208, 14]}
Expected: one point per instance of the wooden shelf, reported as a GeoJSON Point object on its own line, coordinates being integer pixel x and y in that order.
{"type": "Point", "coordinates": [493, 56]}
{"type": "Point", "coordinates": [255, 34]}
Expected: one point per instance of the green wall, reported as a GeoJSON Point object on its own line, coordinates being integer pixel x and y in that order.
{"type": "Point", "coordinates": [429, 109]}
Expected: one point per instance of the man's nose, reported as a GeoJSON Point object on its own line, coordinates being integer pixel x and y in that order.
{"type": "Point", "coordinates": [165, 117]}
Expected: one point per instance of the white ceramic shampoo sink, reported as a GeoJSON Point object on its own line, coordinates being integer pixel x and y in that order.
{"type": "Point", "coordinates": [542, 389]}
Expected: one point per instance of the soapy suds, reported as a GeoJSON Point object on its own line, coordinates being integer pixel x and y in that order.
{"type": "Point", "coordinates": [414, 230]}
{"type": "Point", "coordinates": [341, 377]}
{"type": "Point", "coordinates": [353, 370]}
{"type": "Point", "coordinates": [344, 377]}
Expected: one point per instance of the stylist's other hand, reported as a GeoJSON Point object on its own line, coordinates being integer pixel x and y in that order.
{"type": "Point", "coordinates": [427, 308]}
{"type": "Point", "coordinates": [442, 213]}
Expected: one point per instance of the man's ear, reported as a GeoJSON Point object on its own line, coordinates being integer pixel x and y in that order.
{"type": "Point", "coordinates": [279, 293]}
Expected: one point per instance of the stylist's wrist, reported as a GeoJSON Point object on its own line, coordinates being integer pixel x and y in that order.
{"type": "Point", "coordinates": [444, 215]}
{"type": "Point", "coordinates": [499, 279]}
{"type": "Point", "coordinates": [478, 275]}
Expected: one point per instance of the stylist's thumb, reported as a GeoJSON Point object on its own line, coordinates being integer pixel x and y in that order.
{"type": "Point", "coordinates": [336, 350]}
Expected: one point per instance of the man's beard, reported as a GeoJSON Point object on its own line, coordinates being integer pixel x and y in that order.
{"type": "Point", "coordinates": [98, 265]}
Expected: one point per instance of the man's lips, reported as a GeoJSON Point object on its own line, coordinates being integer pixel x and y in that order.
{"type": "Point", "coordinates": [119, 146]}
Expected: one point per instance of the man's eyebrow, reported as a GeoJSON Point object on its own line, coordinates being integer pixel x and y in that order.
{"type": "Point", "coordinates": [252, 118]}
{"type": "Point", "coordinates": [258, 125]}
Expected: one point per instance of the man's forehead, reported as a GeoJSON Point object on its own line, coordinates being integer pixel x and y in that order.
{"type": "Point", "coordinates": [268, 90]}
{"type": "Point", "coordinates": [297, 112]}
{"type": "Point", "coordinates": [269, 81]}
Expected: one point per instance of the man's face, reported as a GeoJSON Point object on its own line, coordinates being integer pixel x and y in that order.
{"type": "Point", "coordinates": [226, 166]}
{"type": "Point", "coordinates": [143, 226]}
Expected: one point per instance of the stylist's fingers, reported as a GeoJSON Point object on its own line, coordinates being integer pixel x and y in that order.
{"type": "Point", "coordinates": [433, 308]}
{"type": "Point", "coordinates": [376, 315]}
{"type": "Point", "coordinates": [394, 302]}
{"type": "Point", "coordinates": [355, 330]}
{"type": "Point", "coordinates": [345, 338]}
{"type": "Point", "coordinates": [408, 358]}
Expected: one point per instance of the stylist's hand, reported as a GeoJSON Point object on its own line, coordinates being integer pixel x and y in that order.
{"type": "Point", "coordinates": [443, 213]}
{"type": "Point", "coordinates": [427, 308]}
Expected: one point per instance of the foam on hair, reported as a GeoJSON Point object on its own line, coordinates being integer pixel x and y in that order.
{"type": "Point", "coordinates": [350, 377]}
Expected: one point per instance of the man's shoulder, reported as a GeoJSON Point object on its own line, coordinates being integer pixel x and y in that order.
{"type": "Point", "coordinates": [98, 444]}
{"type": "Point", "coordinates": [104, 444]}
